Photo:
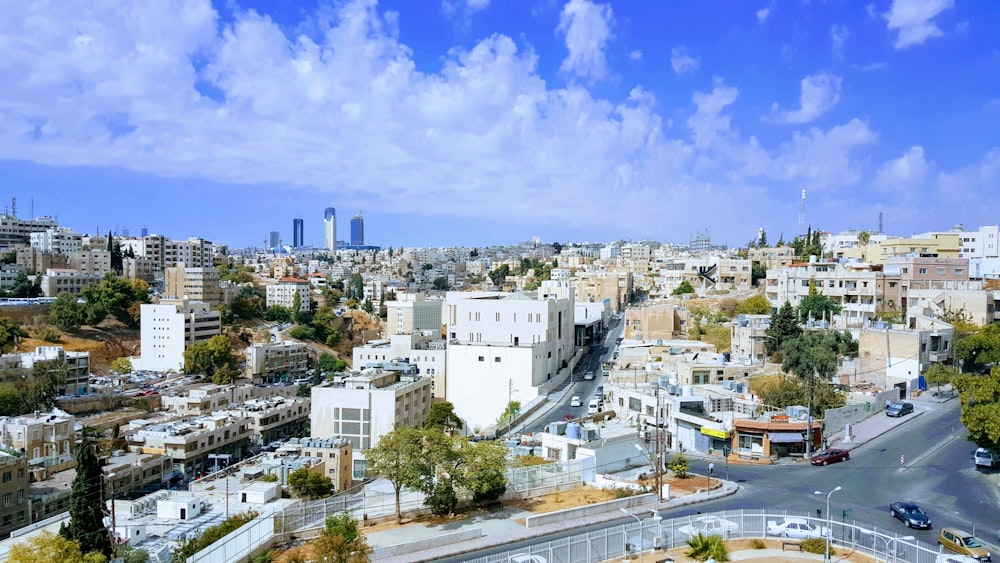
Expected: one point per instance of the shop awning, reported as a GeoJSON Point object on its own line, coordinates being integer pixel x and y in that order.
{"type": "Point", "coordinates": [784, 437]}
{"type": "Point", "coordinates": [722, 434]}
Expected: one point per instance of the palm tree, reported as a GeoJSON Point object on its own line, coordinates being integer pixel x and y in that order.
{"type": "Point", "coordinates": [863, 238]}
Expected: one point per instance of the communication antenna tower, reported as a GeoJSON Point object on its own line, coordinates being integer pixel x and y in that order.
{"type": "Point", "coordinates": [879, 221]}
{"type": "Point", "coordinates": [802, 213]}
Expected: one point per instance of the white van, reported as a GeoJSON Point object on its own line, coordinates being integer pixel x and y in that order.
{"type": "Point", "coordinates": [593, 407]}
{"type": "Point", "coordinates": [986, 458]}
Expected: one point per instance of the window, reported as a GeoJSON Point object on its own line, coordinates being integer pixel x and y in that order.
{"type": "Point", "coordinates": [959, 271]}
{"type": "Point", "coordinates": [923, 271]}
{"type": "Point", "coordinates": [7, 476]}
{"type": "Point", "coordinates": [497, 359]}
{"type": "Point", "coordinates": [940, 271]}
{"type": "Point", "coordinates": [482, 358]}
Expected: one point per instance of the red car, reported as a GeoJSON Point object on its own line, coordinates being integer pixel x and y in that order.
{"type": "Point", "coordinates": [830, 456]}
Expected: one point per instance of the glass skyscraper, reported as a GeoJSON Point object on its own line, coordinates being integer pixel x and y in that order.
{"type": "Point", "coordinates": [330, 228]}
{"type": "Point", "coordinates": [297, 233]}
{"type": "Point", "coordinates": [357, 230]}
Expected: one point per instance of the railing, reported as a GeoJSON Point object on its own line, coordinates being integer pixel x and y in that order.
{"type": "Point", "coordinates": [614, 542]}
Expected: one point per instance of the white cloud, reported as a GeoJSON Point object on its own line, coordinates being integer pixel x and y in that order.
{"type": "Point", "coordinates": [635, 55]}
{"type": "Point", "coordinates": [466, 8]}
{"type": "Point", "coordinates": [820, 93]}
{"type": "Point", "coordinates": [683, 62]}
{"type": "Point", "coordinates": [708, 122]}
{"type": "Point", "coordinates": [966, 186]}
{"type": "Point", "coordinates": [912, 20]}
{"type": "Point", "coordinates": [906, 173]}
{"type": "Point", "coordinates": [587, 27]}
{"type": "Point", "coordinates": [838, 36]}
{"type": "Point", "coordinates": [762, 14]}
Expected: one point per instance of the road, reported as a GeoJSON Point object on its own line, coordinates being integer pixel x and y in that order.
{"type": "Point", "coordinates": [575, 385]}
{"type": "Point", "coordinates": [938, 475]}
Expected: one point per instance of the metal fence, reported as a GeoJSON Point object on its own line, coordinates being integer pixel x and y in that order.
{"type": "Point", "coordinates": [536, 476]}
{"type": "Point", "coordinates": [614, 542]}
{"type": "Point", "coordinates": [239, 544]}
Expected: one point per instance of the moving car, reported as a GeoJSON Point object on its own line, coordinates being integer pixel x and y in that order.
{"type": "Point", "coordinates": [830, 456]}
{"type": "Point", "coordinates": [575, 401]}
{"type": "Point", "coordinates": [709, 525]}
{"type": "Point", "coordinates": [799, 528]}
{"type": "Point", "coordinates": [910, 514]}
{"type": "Point", "coordinates": [588, 376]}
{"type": "Point", "coordinates": [964, 543]}
{"type": "Point", "coordinates": [898, 409]}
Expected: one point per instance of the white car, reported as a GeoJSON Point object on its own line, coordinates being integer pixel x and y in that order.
{"type": "Point", "coordinates": [526, 558]}
{"type": "Point", "coordinates": [709, 525]}
{"type": "Point", "coordinates": [575, 401]}
{"type": "Point", "coordinates": [799, 528]}
{"type": "Point", "coordinates": [588, 376]}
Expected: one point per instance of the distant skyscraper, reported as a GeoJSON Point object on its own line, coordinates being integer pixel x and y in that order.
{"type": "Point", "coordinates": [274, 239]}
{"type": "Point", "coordinates": [330, 228]}
{"type": "Point", "coordinates": [357, 230]}
{"type": "Point", "coordinates": [297, 233]}
{"type": "Point", "coordinates": [145, 232]}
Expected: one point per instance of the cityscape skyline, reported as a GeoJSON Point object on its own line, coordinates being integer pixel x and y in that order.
{"type": "Point", "coordinates": [484, 123]}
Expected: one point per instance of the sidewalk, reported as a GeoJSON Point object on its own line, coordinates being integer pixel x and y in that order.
{"type": "Point", "coordinates": [878, 423]}
{"type": "Point", "coordinates": [500, 528]}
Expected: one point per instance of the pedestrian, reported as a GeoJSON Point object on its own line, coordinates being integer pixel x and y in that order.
{"type": "Point", "coordinates": [711, 468]}
{"type": "Point", "coordinates": [887, 404]}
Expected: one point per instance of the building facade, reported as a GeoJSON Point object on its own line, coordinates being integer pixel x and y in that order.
{"type": "Point", "coordinates": [270, 362]}
{"type": "Point", "coordinates": [330, 229]}
{"type": "Point", "coordinates": [357, 230]}
{"type": "Point", "coordinates": [284, 291]}
{"type": "Point", "coordinates": [169, 327]}
{"type": "Point", "coordinates": [298, 233]}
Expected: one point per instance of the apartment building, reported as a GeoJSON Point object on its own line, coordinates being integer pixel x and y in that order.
{"type": "Point", "coordinates": [273, 418]}
{"type": "Point", "coordinates": [9, 274]}
{"type": "Point", "coordinates": [194, 284]}
{"type": "Point", "coordinates": [284, 291]}
{"type": "Point", "coordinates": [127, 472]}
{"type": "Point", "coordinates": [748, 339]}
{"type": "Point", "coordinates": [337, 456]}
{"type": "Point", "coordinates": [363, 406]}
{"type": "Point", "coordinates": [60, 240]}
{"type": "Point", "coordinates": [188, 443]}
{"type": "Point", "coordinates": [424, 350]}
{"type": "Point", "coordinates": [652, 322]}
{"type": "Point", "coordinates": [978, 305]}
{"type": "Point", "coordinates": [169, 327]}
{"type": "Point", "coordinates": [940, 245]}
{"type": "Point", "coordinates": [193, 252]}
{"type": "Point", "coordinates": [411, 313]}
{"type": "Point", "coordinates": [46, 439]}
{"type": "Point", "coordinates": [18, 231]}
{"type": "Point", "coordinates": [634, 257]}
{"type": "Point", "coordinates": [271, 362]}
{"type": "Point", "coordinates": [36, 261]}
{"type": "Point", "coordinates": [139, 268]}
{"type": "Point", "coordinates": [78, 364]}
{"type": "Point", "coordinates": [774, 257]}
{"type": "Point", "coordinates": [150, 247]}
{"type": "Point", "coordinates": [503, 341]}
{"type": "Point", "coordinates": [597, 286]}
{"type": "Point", "coordinates": [14, 501]}
{"type": "Point", "coordinates": [65, 280]}
{"type": "Point", "coordinates": [93, 262]}
{"type": "Point", "coordinates": [895, 356]}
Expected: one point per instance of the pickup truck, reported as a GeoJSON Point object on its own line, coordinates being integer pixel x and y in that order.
{"type": "Point", "coordinates": [709, 525]}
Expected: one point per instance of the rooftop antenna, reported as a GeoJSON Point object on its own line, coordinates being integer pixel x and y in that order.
{"type": "Point", "coordinates": [13, 207]}
{"type": "Point", "coordinates": [31, 208]}
{"type": "Point", "coordinates": [880, 222]}
{"type": "Point", "coordinates": [802, 213]}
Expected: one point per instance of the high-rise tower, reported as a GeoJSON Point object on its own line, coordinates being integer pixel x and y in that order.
{"type": "Point", "coordinates": [330, 228]}
{"type": "Point", "coordinates": [297, 233]}
{"type": "Point", "coordinates": [358, 230]}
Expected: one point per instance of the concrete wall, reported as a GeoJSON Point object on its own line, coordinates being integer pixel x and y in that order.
{"type": "Point", "coordinates": [835, 419]}
{"type": "Point", "coordinates": [378, 554]}
{"type": "Point", "coordinates": [571, 514]}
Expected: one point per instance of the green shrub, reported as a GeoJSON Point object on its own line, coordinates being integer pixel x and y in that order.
{"type": "Point", "coordinates": [625, 493]}
{"type": "Point", "coordinates": [49, 334]}
{"type": "Point", "coordinates": [707, 547]}
{"type": "Point", "coordinates": [757, 543]}
{"type": "Point", "coordinates": [815, 545]}
{"type": "Point", "coordinates": [188, 547]}
{"type": "Point", "coordinates": [269, 478]}
{"type": "Point", "coordinates": [679, 465]}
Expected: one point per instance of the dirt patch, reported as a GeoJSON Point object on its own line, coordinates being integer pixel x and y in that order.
{"type": "Point", "coordinates": [427, 520]}
{"type": "Point", "coordinates": [572, 498]}
{"type": "Point", "coordinates": [741, 550]}
{"type": "Point", "coordinates": [105, 344]}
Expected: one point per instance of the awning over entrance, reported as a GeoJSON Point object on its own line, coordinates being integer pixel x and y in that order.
{"type": "Point", "coordinates": [784, 437]}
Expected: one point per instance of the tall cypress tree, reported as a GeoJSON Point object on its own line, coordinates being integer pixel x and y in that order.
{"type": "Point", "coordinates": [86, 503]}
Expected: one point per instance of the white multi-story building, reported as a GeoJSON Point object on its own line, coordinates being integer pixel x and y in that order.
{"type": "Point", "coordinates": [65, 280]}
{"type": "Point", "coordinates": [498, 342]}
{"type": "Point", "coordinates": [634, 257]}
{"type": "Point", "coordinates": [193, 252]}
{"type": "Point", "coordinates": [169, 327]}
{"type": "Point", "coordinates": [189, 443]}
{"type": "Point", "coordinates": [283, 293]}
{"type": "Point", "coordinates": [60, 240]}
{"type": "Point", "coordinates": [610, 252]}
{"type": "Point", "coordinates": [425, 350]}
{"type": "Point", "coordinates": [411, 313]}
{"type": "Point", "coordinates": [364, 406]}
{"type": "Point", "coordinates": [273, 418]}
{"type": "Point", "coordinates": [18, 231]}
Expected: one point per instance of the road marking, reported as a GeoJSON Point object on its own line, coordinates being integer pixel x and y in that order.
{"type": "Point", "coordinates": [940, 445]}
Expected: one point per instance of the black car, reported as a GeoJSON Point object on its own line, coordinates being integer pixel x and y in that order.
{"type": "Point", "coordinates": [910, 514]}
{"type": "Point", "coordinates": [898, 409]}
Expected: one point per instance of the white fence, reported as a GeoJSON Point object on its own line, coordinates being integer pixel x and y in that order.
{"type": "Point", "coordinates": [610, 543]}
{"type": "Point", "coordinates": [238, 545]}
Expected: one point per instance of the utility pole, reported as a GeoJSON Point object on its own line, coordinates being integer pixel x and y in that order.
{"type": "Point", "coordinates": [658, 472]}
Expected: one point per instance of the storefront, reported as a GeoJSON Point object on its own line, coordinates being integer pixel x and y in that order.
{"type": "Point", "coordinates": [760, 441]}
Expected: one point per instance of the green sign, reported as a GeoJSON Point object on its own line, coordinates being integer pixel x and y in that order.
{"type": "Point", "coordinates": [847, 512]}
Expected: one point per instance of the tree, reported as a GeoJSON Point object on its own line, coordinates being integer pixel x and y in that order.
{"type": "Point", "coordinates": [278, 313]}
{"type": "Point", "coordinates": [309, 485]}
{"type": "Point", "coordinates": [47, 381]}
{"type": "Point", "coordinates": [47, 547]}
{"type": "Point", "coordinates": [116, 297]}
{"type": "Point", "coordinates": [122, 365]}
{"type": "Point", "coordinates": [207, 357]}
{"type": "Point", "coordinates": [441, 469]}
{"type": "Point", "coordinates": [815, 354]}
{"type": "Point", "coordinates": [336, 548]}
{"type": "Point", "coordinates": [980, 399]}
{"type": "Point", "coordinates": [66, 313]}
{"type": "Point", "coordinates": [939, 374]}
{"type": "Point", "coordinates": [679, 466]}
{"type": "Point", "coordinates": [396, 458]}
{"type": "Point", "coordinates": [498, 275]}
{"type": "Point", "coordinates": [784, 326]}
{"type": "Point", "coordinates": [683, 288]}
{"type": "Point", "coordinates": [762, 240]}
{"type": "Point", "coordinates": [10, 332]}
{"type": "Point", "coordinates": [705, 547]}
{"type": "Point", "coordinates": [756, 305]}
{"type": "Point", "coordinates": [980, 349]}
{"type": "Point", "coordinates": [329, 363]}
{"type": "Point", "coordinates": [25, 287]}
{"type": "Point", "coordinates": [248, 303]}
{"type": "Point", "coordinates": [758, 271]}
{"type": "Point", "coordinates": [818, 306]}
{"type": "Point", "coordinates": [442, 416]}
{"type": "Point", "coordinates": [86, 502]}
{"type": "Point", "coordinates": [225, 374]}
{"type": "Point", "coordinates": [440, 283]}
{"type": "Point", "coordinates": [485, 471]}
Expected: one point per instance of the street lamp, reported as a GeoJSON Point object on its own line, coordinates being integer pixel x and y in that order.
{"type": "Point", "coordinates": [114, 534]}
{"type": "Point", "coordinates": [891, 541]}
{"type": "Point", "coordinates": [829, 536]}
{"type": "Point", "coordinates": [642, 521]}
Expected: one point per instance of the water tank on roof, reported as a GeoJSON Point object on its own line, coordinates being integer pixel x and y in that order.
{"type": "Point", "coordinates": [686, 391]}
{"type": "Point", "coordinates": [573, 430]}
{"type": "Point", "coordinates": [672, 389]}
{"type": "Point", "coordinates": [728, 385]}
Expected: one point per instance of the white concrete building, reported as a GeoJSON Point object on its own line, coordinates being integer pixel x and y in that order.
{"type": "Point", "coordinates": [503, 341]}
{"type": "Point", "coordinates": [363, 406]}
{"type": "Point", "coordinates": [169, 327]}
{"type": "Point", "coordinates": [65, 280]}
{"type": "Point", "coordinates": [283, 293]}
{"type": "Point", "coordinates": [60, 240]}
{"type": "Point", "coordinates": [425, 350]}
{"type": "Point", "coordinates": [411, 313]}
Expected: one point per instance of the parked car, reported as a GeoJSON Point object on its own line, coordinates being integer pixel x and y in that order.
{"type": "Point", "coordinates": [963, 543]}
{"type": "Point", "coordinates": [648, 541]}
{"type": "Point", "coordinates": [899, 409]}
{"type": "Point", "coordinates": [709, 525]}
{"type": "Point", "coordinates": [526, 558]}
{"type": "Point", "coordinates": [910, 514]}
{"type": "Point", "coordinates": [589, 375]}
{"type": "Point", "coordinates": [575, 401]}
{"type": "Point", "coordinates": [986, 458]}
{"type": "Point", "coordinates": [796, 528]}
{"type": "Point", "coordinates": [830, 456]}
{"type": "Point", "coordinates": [594, 407]}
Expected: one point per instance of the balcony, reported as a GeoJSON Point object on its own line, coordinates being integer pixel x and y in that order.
{"type": "Point", "coordinates": [937, 356]}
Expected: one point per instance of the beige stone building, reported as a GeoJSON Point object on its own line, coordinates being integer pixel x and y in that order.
{"type": "Point", "coordinates": [14, 503]}
{"type": "Point", "coordinates": [194, 284]}
{"type": "Point", "coordinates": [651, 322]}
{"type": "Point", "coordinates": [270, 362]}
{"type": "Point", "coordinates": [46, 439]}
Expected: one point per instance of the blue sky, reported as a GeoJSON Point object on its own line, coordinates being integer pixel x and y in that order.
{"type": "Point", "coordinates": [471, 122]}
